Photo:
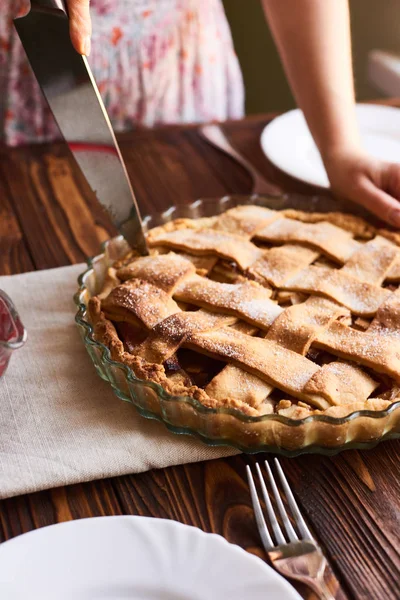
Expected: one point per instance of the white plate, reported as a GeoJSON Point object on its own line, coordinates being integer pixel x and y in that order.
{"type": "Point", "coordinates": [113, 558]}
{"type": "Point", "coordinates": [287, 141]}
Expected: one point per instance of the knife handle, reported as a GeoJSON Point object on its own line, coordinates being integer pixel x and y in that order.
{"type": "Point", "coordinates": [49, 5]}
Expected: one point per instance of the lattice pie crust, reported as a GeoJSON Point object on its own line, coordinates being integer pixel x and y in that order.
{"type": "Point", "coordinates": [261, 310]}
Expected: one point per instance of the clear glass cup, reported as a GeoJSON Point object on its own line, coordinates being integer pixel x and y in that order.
{"type": "Point", "coordinates": [12, 332]}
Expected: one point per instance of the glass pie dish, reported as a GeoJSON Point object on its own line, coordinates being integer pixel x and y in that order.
{"type": "Point", "coordinates": [316, 433]}
{"type": "Point", "coordinates": [12, 332]}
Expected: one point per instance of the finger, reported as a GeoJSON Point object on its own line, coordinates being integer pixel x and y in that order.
{"type": "Point", "coordinates": [80, 26]}
{"type": "Point", "coordinates": [391, 183]}
{"type": "Point", "coordinates": [377, 201]}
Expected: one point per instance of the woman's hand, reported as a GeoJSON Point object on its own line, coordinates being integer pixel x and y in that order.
{"type": "Point", "coordinates": [367, 181]}
{"type": "Point", "coordinates": [315, 46]}
{"type": "Point", "coordinates": [80, 25]}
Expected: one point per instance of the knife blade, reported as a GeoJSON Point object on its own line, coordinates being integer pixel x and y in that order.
{"type": "Point", "coordinates": [72, 94]}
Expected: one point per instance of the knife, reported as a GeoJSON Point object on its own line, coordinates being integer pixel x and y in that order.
{"type": "Point", "coordinates": [71, 91]}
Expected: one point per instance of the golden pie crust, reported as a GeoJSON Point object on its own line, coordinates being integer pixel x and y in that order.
{"type": "Point", "coordinates": [260, 310]}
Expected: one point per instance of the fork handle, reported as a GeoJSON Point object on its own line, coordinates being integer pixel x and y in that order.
{"type": "Point", "coordinates": [319, 587]}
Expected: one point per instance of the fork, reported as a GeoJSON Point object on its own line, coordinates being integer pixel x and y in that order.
{"type": "Point", "coordinates": [300, 558]}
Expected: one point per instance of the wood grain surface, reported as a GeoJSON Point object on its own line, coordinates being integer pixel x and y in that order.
{"type": "Point", "coordinates": [49, 218]}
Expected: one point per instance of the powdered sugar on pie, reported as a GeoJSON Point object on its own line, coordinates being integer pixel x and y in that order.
{"type": "Point", "coordinates": [261, 310]}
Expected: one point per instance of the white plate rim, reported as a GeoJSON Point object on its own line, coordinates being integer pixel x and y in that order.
{"type": "Point", "coordinates": [41, 532]}
{"type": "Point", "coordinates": [295, 118]}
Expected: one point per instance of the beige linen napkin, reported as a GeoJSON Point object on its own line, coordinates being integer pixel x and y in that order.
{"type": "Point", "coordinates": [59, 422]}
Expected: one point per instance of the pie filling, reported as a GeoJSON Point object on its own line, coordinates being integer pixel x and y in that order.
{"type": "Point", "coordinates": [260, 310]}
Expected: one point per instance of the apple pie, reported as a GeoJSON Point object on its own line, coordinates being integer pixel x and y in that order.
{"type": "Point", "coordinates": [262, 311]}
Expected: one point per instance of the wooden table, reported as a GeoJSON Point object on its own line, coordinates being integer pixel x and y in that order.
{"type": "Point", "coordinates": [49, 218]}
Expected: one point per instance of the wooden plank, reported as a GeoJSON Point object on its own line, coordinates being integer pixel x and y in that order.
{"type": "Point", "coordinates": [59, 225]}
{"type": "Point", "coordinates": [166, 168]}
{"type": "Point", "coordinates": [14, 255]}
{"type": "Point", "coordinates": [25, 513]}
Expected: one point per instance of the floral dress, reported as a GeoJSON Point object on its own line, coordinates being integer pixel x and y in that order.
{"type": "Point", "coordinates": [155, 61]}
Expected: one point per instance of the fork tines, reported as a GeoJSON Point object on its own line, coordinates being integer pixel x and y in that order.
{"type": "Point", "coordinates": [303, 531]}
